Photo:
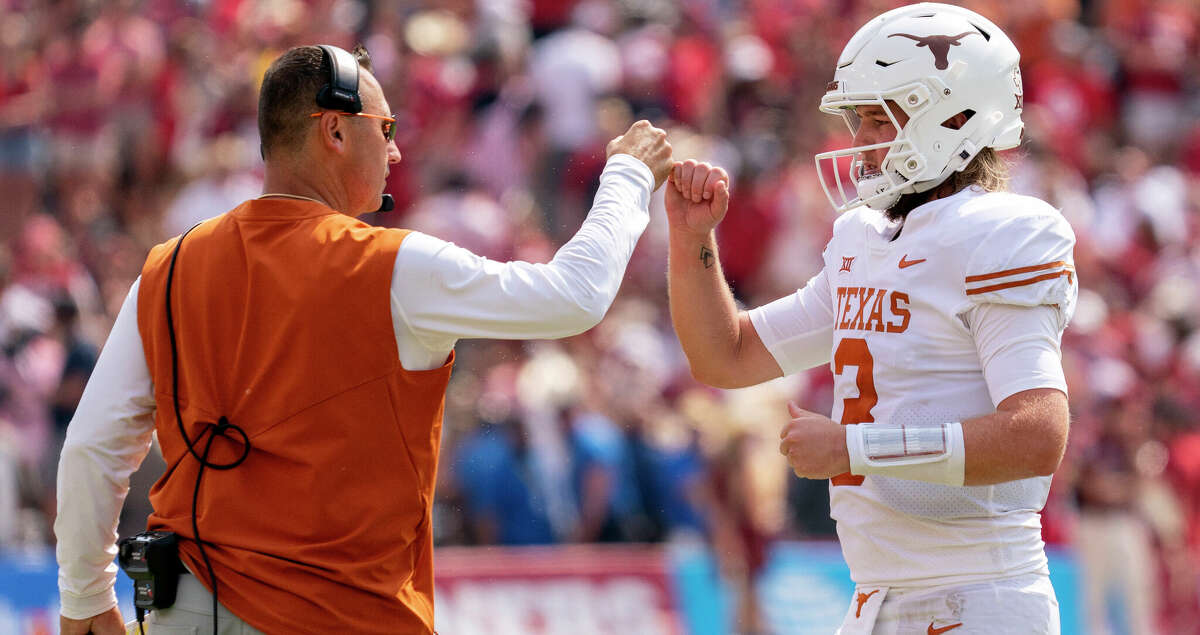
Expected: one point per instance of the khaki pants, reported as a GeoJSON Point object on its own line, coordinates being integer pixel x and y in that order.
{"type": "Point", "coordinates": [1116, 557]}
{"type": "Point", "coordinates": [192, 614]}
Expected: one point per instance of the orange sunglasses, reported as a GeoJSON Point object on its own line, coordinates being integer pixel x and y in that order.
{"type": "Point", "coordinates": [389, 123]}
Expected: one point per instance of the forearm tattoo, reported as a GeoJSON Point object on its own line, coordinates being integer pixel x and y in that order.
{"type": "Point", "coordinates": [707, 257]}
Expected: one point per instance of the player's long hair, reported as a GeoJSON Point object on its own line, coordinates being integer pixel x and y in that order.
{"type": "Point", "coordinates": [987, 170]}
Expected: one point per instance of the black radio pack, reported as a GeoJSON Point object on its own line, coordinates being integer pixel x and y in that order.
{"type": "Point", "coordinates": [151, 559]}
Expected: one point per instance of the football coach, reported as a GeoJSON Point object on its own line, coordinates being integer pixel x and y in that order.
{"type": "Point", "coordinates": [293, 362]}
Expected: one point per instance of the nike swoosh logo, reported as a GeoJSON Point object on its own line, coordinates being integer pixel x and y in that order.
{"type": "Point", "coordinates": [908, 263]}
{"type": "Point", "coordinates": [939, 631]}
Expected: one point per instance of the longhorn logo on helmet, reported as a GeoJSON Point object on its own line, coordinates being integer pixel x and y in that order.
{"type": "Point", "coordinates": [939, 45]}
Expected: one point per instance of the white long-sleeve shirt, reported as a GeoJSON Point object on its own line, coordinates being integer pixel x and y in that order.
{"type": "Point", "coordinates": [440, 293]}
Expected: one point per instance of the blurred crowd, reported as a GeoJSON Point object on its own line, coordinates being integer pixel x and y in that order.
{"type": "Point", "coordinates": [123, 122]}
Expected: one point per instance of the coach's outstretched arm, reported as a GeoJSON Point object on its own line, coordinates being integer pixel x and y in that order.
{"type": "Point", "coordinates": [721, 345]}
{"type": "Point", "coordinates": [443, 292]}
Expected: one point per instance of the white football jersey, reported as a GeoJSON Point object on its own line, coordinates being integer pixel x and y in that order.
{"type": "Point", "coordinates": [890, 316]}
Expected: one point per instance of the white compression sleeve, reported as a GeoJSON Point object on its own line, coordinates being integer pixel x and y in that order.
{"type": "Point", "coordinates": [932, 452]}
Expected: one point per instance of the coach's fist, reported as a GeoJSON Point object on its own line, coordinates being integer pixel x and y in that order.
{"type": "Point", "coordinates": [647, 144]}
{"type": "Point", "coordinates": [814, 445]}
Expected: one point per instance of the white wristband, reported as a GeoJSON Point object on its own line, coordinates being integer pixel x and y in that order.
{"type": "Point", "coordinates": [933, 452]}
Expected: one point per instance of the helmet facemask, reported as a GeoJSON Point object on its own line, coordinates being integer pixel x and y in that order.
{"type": "Point", "coordinates": [879, 190]}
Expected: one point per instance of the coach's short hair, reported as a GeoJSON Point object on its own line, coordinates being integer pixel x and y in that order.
{"type": "Point", "coordinates": [289, 95]}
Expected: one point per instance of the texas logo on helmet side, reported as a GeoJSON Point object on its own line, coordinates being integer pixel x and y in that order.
{"type": "Point", "coordinates": [939, 45]}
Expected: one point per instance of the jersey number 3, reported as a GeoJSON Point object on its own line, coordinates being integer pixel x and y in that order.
{"type": "Point", "coordinates": [853, 351]}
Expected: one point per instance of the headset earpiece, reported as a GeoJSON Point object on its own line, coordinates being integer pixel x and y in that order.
{"type": "Point", "coordinates": [341, 93]}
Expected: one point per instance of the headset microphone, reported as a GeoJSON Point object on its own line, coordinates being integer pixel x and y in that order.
{"type": "Point", "coordinates": [387, 204]}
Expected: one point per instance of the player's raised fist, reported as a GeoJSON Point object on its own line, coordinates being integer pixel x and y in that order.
{"type": "Point", "coordinates": [697, 196]}
{"type": "Point", "coordinates": [647, 144]}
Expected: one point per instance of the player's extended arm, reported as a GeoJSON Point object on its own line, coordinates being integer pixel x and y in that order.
{"type": "Point", "coordinates": [1025, 437]}
{"type": "Point", "coordinates": [722, 346]}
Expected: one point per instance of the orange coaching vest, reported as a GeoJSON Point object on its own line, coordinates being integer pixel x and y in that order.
{"type": "Point", "coordinates": [283, 324]}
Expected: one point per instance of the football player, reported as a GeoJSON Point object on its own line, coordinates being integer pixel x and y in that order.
{"type": "Point", "coordinates": [940, 308]}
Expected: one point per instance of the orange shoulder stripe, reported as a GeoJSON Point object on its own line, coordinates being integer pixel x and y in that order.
{"type": "Point", "coordinates": [1021, 283]}
{"type": "Point", "coordinates": [1012, 272]}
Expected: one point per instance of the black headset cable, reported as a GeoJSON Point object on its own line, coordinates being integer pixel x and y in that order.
{"type": "Point", "coordinates": [221, 428]}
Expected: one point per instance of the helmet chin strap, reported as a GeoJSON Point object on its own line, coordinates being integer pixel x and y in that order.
{"type": "Point", "coordinates": [872, 192]}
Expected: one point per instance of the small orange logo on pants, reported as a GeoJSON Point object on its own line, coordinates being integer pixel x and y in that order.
{"type": "Point", "coordinates": [939, 631]}
{"type": "Point", "coordinates": [862, 598]}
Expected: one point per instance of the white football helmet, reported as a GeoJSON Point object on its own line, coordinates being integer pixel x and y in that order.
{"type": "Point", "coordinates": [934, 61]}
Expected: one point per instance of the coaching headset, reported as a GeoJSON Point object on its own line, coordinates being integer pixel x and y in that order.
{"type": "Point", "coordinates": [151, 558]}
{"type": "Point", "coordinates": [341, 93]}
